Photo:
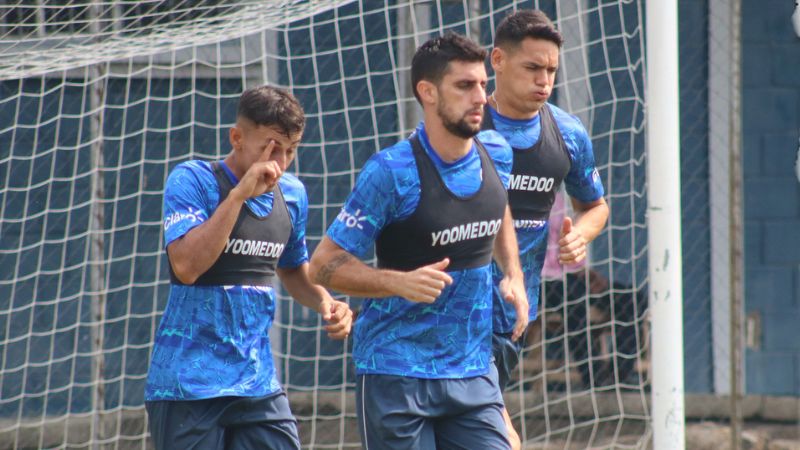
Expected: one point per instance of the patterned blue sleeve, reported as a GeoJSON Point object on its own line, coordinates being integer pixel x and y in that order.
{"type": "Point", "coordinates": [500, 152]}
{"type": "Point", "coordinates": [583, 181]}
{"type": "Point", "coordinates": [296, 252]}
{"type": "Point", "coordinates": [369, 207]}
{"type": "Point", "coordinates": [186, 198]}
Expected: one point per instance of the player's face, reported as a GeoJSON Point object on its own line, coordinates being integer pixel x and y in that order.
{"type": "Point", "coordinates": [253, 141]}
{"type": "Point", "coordinates": [526, 74]}
{"type": "Point", "coordinates": [461, 96]}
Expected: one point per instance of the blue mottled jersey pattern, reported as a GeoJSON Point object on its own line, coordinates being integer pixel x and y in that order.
{"type": "Point", "coordinates": [213, 340]}
{"type": "Point", "coordinates": [582, 183]}
{"type": "Point", "coordinates": [450, 338]}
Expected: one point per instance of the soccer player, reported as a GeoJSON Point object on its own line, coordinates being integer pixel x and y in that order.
{"type": "Point", "coordinates": [550, 146]}
{"type": "Point", "coordinates": [229, 227]}
{"type": "Point", "coordinates": [435, 207]}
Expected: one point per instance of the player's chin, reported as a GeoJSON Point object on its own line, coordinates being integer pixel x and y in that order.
{"type": "Point", "coordinates": [535, 104]}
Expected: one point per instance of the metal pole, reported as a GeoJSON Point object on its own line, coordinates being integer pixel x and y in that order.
{"type": "Point", "coordinates": [736, 229]}
{"type": "Point", "coordinates": [664, 224]}
{"type": "Point", "coordinates": [97, 95]}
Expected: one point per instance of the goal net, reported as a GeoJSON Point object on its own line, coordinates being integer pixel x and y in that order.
{"type": "Point", "coordinates": [99, 100]}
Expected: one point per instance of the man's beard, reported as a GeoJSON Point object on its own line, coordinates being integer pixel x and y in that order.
{"type": "Point", "coordinates": [460, 128]}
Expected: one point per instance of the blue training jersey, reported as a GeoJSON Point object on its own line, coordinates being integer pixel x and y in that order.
{"type": "Point", "coordinates": [213, 340]}
{"type": "Point", "coordinates": [582, 183]}
{"type": "Point", "coordinates": [450, 338]}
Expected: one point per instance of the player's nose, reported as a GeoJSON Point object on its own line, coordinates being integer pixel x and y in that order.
{"type": "Point", "coordinates": [479, 96]}
{"type": "Point", "coordinates": [280, 158]}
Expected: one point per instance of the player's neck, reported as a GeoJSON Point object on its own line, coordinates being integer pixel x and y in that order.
{"type": "Point", "coordinates": [233, 165]}
{"type": "Point", "coordinates": [448, 146]}
{"type": "Point", "coordinates": [503, 107]}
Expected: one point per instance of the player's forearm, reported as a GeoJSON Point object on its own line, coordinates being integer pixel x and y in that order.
{"type": "Point", "coordinates": [299, 285]}
{"type": "Point", "coordinates": [335, 268]}
{"type": "Point", "coordinates": [506, 249]}
{"type": "Point", "coordinates": [195, 252]}
{"type": "Point", "coordinates": [591, 218]}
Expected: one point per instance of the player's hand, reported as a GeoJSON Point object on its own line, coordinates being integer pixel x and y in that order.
{"type": "Point", "coordinates": [572, 244]}
{"type": "Point", "coordinates": [424, 284]}
{"type": "Point", "coordinates": [339, 317]}
{"type": "Point", "coordinates": [513, 291]}
{"type": "Point", "coordinates": [261, 177]}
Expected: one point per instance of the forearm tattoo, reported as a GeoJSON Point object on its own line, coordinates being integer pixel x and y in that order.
{"type": "Point", "coordinates": [326, 272]}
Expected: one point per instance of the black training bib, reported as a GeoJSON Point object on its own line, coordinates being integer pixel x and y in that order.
{"type": "Point", "coordinates": [538, 171]}
{"type": "Point", "coordinates": [443, 224]}
{"type": "Point", "coordinates": [254, 246]}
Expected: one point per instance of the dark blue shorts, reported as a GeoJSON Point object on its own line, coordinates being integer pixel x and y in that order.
{"type": "Point", "coordinates": [416, 413]}
{"type": "Point", "coordinates": [224, 423]}
{"type": "Point", "coordinates": [506, 355]}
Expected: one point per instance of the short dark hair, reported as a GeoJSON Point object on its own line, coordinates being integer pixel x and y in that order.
{"type": "Point", "coordinates": [526, 23]}
{"type": "Point", "coordinates": [433, 58]}
{"type": "Point", "coordinates": [271, 106]}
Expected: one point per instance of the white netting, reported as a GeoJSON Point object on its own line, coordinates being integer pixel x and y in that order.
{"type": "Point", "coordinates": [46, 36]}
{"type": "Point", "coordinates": [99, 100]}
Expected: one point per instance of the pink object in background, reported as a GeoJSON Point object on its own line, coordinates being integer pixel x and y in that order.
{"type": "Point", "coordinates": [552, 269]}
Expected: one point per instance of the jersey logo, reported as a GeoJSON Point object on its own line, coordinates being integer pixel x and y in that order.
{"type": "Point", "coordinates": [249, 247]}
{"type": "Point", "coordinates": [530, 183]}
{"type": "Point", "coordinates": [595, 176]}
{"type": "Point", "coordinates": [351, 220]}
{"type": "Point", "coordinates": [529, 223]}
{"type": "Point", "coordinates": [172, 219]}
{"type": "Point", "coordinates": [472, 230]}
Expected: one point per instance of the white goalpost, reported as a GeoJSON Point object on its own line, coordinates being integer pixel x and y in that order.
{"type": "Point", "coordinates": [99, 100]}
{"type": "Point", "coordinates": [664, 225]}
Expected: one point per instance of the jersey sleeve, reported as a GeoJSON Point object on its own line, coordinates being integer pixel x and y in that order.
{"type": "Point", "coordinates": [369, 207]}
{"type": "Point", "coordinates": [185, 200]}
{"type": "Point", "coordinates": [500, 152]}
{"type": "Point", "coordinates": [583, 181]}
{"type": "Point", "coordinates": [295, 253]}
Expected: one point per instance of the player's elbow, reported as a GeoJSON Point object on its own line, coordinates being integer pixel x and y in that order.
{"type": "Point", "coordinates": [184, 267]}
{"type": "Point", "coordinates": [184, 274]}
{"type": "Point", "coordinates": [183, 270]}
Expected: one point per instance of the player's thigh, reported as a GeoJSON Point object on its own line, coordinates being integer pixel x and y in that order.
{"type": "Point", "coordinates": [261, 422]}
{"type": "Point", "coordinates": [390, 415]}
{"type": "Point", "coordinates": [477, 419]}
{"type": "Point", "coordinates": [268, 436]}
{"type": "Point", "coordinates": [482, 428]}
{"type": "Point", "coordinates": [186, 424]}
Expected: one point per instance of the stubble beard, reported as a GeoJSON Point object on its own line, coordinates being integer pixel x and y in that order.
{"type": "Point", "coordinates": [460, 128]}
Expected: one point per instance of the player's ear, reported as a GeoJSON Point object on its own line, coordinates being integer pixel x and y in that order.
{"type": "Point", "coordinates": [427, 91]}
{"type": "Point", "coordinates": [235, 137]}
{"type": "Point", "coordinates": [496, 58]}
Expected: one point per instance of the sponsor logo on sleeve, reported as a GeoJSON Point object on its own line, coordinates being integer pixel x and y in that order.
{"type": "Point", "coordinates": [353, 220]}
{"type": "Point", "coordinates": [191, 215]}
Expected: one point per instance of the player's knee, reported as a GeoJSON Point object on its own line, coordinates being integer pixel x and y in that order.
{"type": "Point", "coordinates": [514, 440]}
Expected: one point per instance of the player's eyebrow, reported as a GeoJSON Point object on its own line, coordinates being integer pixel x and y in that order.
{"type": "Point", "coordinates": [470, 81]}
{"type": "Point", "coordinates": [536, 65]}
